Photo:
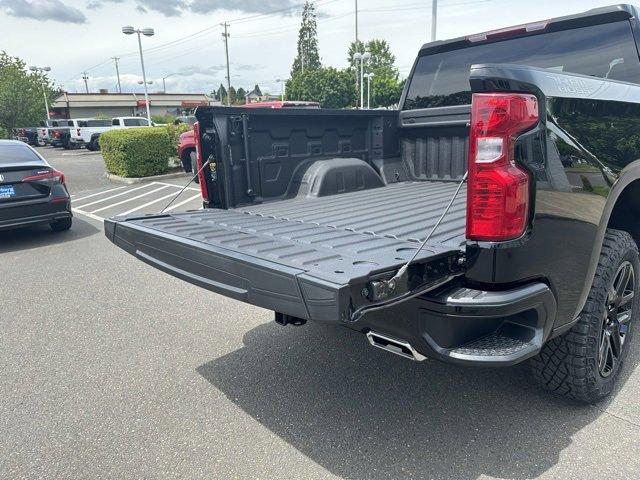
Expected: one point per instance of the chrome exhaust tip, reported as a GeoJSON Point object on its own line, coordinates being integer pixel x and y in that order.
{"type": "Point", "coordinates": [393, 345]}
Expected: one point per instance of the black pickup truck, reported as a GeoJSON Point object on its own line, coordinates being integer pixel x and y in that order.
{"type": "Point", "coordinates": [493, 219]}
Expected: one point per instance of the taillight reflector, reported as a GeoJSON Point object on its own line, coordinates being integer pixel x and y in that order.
{"type": "Point", "coordinates": [498, 189]}
{"type": "Point", "coordinates": [50, 175]}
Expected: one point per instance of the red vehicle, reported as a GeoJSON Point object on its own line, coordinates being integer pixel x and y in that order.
{"type": "Point", "coordinates": [187, 146]}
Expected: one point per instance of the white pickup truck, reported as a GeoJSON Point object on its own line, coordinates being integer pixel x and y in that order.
{"type": "Point", "coordinates": [89, 131]}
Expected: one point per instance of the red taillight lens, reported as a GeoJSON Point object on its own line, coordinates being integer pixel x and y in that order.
{"type": "Point", "coordinates": [52, 176]}
{"type": "Point", "coordinates": [498, 190]}
{"type": "Point", "coordinates": [200, 162]}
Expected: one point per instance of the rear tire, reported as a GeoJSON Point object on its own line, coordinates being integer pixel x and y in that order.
{"type": "Point", "coordinates": [194, 165]}
{"type": "Point", "coordinates": [585, 362]}
{"type": "Point", "coordinates": [94, 144]}
{"type": "Point", "coordinates": [61, 225]}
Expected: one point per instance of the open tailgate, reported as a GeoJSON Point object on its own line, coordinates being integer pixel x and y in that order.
{"type": "Point", "coordinates": [309, 271]}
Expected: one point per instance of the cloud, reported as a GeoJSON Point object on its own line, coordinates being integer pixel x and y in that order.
{"type": "Point", "coordinates": [249, 6]}
{"type": "Point", "coordinates": [97, 4]}
{"type": "Point", "coordinates": [42, 10]}
{"type": "Point", "coordinates": [170, 8]}
{"type": "Point", "coordinates": [199, 70]}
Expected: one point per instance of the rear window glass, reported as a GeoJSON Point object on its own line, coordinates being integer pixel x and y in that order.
{"type": "Point", "coordinates": [606, 51]}
{"type": "Point", "coordinates": [97, 123]}
{"type": "Point", "coordinates": [15, 153]}
{"type": "Point", "coordinates": [63, 123]}
{"type": "Point", "coordinates": [135, 122]}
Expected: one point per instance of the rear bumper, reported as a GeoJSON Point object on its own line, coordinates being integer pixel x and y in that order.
{"type": "Point", "coordinates": [31, 214]}
{"type": "Point", "coordinates": [473, 327]}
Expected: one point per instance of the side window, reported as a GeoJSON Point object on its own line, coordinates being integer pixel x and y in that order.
{"type": "Point", "coordinates": [115, 122]}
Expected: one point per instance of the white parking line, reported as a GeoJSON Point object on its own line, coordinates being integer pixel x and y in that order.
{"type": "Point", "coordinates": [87, 214]}
{"type": "Point", "coordinates": [179, 204]}
{"type": "Point", "coordinates": [140, 207]}
{"type": "Point", "coordinates": [96, 194]}
{"type": "Point", "coordinates": [128, 199]}
{"type": "Point", "coordinates": [177, 186]}
{"type": "Point", "coordinates": [117, 195]}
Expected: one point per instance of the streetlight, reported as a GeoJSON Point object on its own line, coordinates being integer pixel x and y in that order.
{"type": "Point", "coordinates": [369, 76]}
{"type": "Point", "coordinates": [147, 32]}
{"type": "Point", "coordinates": [164, 85]}
{"type": "Point", "coordinates": [44, 91]}
{"type": "Point", "coordinates": [150, 82]}
{"type": "Point", "coordinates": [361, 57]}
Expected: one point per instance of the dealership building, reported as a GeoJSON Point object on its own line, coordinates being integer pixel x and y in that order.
{"type": "Point", "coordinates": [86, 105]}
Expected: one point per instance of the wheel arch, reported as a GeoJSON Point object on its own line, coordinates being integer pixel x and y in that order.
{"type": "Point", "coordinates": [185, 157]}
{"type": "Point", "coordinates": [622, 205]}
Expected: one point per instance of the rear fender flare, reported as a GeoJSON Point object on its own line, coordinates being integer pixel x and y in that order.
{"type": "Point", "coordinates": [628, 175]}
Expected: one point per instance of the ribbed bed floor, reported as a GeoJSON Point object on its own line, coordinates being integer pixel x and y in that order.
{"type": "Point", "coordinates": [406, 211]}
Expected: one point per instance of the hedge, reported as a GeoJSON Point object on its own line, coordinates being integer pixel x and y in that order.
{"type": "Point", "coordinates": [137, 152]}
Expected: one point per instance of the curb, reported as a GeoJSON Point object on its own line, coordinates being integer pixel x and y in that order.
{"type": "Point", "coordinates": [135, 180]}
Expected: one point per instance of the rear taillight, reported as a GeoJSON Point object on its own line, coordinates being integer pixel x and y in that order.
{"type": "Point", "coordinates": [200, 162]}
{"type": "Point", "coordinates": [48, 176]}
{"type": "Point", "coordinates": [498, 190]}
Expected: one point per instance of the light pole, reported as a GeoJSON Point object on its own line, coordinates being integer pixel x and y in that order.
{"type": "Point", "coordinates": [115, 60]}
{"type": "Point", "coordinates": [44, 90]}
{"type": "Point", "coordinates": [147, 32]}
{"type": "Point", "coordinates": [362, 57]}
{"type": "Point", "coordinates": [282, 83]}
{"type": "Point", "coordinates": [434, 19]}
{"type": "Point", "coordinates": [85, 77]}
{"type": "Point", "coordinates": [369, 76]}
{"type": "Point", "coordinates": [164, 85]}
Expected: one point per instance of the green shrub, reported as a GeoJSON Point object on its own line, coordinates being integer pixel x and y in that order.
{"type": "Point", "coordinates": [163, 119]}
{"type": "Point", "coordinates": [137, 152]}
{"type": "Point", "coordinates": [174, 132]}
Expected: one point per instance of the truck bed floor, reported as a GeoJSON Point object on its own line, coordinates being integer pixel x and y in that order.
{"type": "Point", "coordinates": [404, 211]}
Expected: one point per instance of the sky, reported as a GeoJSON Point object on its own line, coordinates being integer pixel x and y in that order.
{"type": "Point", "coordinates": [72, 36]}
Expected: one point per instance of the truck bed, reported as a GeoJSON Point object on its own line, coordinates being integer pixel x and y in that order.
{"type": "Point", "coordinates": [403, 211]}
{"type": "Point", "coordinates": [309, 258]}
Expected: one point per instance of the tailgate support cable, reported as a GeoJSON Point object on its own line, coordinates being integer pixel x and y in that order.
{"type": "Point", "coordinates": [185, 187]}
{"type": "Point", "coordinates": [392, 283]}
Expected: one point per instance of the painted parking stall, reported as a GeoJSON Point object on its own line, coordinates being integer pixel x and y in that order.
{"type": "Point", "coordinates": [141, 199]}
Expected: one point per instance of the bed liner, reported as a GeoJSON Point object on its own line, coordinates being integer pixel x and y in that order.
{"type": "Point", "coordinates": [307, 258]}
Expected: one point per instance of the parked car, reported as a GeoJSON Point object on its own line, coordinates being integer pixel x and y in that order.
{"type": "Point", "coordinates": [43, 130]}
{"type": "Point", "coordinates": [26, 134]}
{"type": "Point", "coordinates": [277, 104]}
{"type": "Point", "coordinates": [31, 191]}
{"type": "Point", "coordinates": [186, 119]}
{"type": "Point", "coordinates": [361, 219]}
{"type": "Point", "coordinates": [88, 133]}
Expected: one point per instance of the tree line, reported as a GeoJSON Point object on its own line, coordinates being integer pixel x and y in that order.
{"type": "Point", "coordinates": [22, 95]}
{"type": "Point", "coordinates": [338, 88]}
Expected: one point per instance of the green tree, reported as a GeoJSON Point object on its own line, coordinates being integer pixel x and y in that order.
{"type": "Point", "coordinates": [307, 57]}
{"type": "Point", "coordinates": [232, 94]}
{"type": "Point", "coordinates": [257, 90]}
{"type": "Point", "coordinates": [240, 96]}
{"type": "Point", "coordinates": [221, 94]}
{"type": "Point", "coordinates": [21, 95]}
{"type": "Point", "coordinates": [385, 86]}
{"type": "Point", "coordinates": [331, 87]}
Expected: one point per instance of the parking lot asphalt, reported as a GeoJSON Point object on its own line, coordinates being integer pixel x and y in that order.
{"type": "Point", "coordinates": [112, 369]}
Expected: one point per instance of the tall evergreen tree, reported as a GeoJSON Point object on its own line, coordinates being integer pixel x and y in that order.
{"type": "Point", "coordinates": [222, 93]}
{"type": "Point", "coordinates": [308, 57]}
{"type": "Point", "coordinates": [257, 90]}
